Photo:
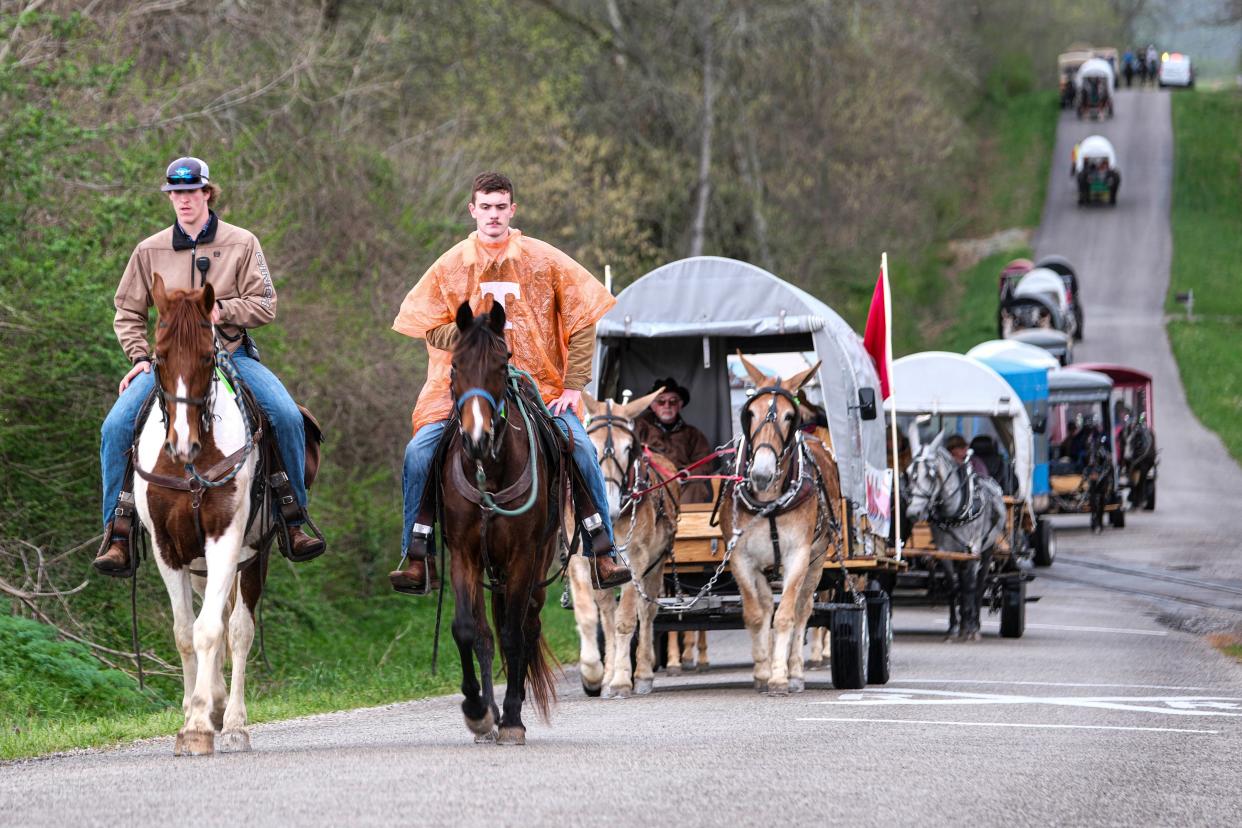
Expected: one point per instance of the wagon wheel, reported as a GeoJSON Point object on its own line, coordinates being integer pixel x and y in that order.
{"type": "Point", "coordinates": [1045, 541]}
{"type": "Point", "coordinates": [880, 631]}
{"type": "Point", "coordinates": [1013, 608]}
{"type": "Point", "coordinates": [851, 648]}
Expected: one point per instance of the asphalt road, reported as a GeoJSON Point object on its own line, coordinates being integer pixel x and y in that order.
{"type": "Point", "coordinates": [1108, 711]}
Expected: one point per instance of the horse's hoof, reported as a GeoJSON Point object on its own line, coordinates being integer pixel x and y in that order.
{"type": "Point", "coordinates": [643, 686]}
{"type": "Point", "coordinates": [814, 664]}
{"type": "Point", "coordinates": [593, 692]}
{"type": "Point", "coordinates": [483, 726]}
{"type": "Point", "coordinates": [702, 667]}
{"type": "Point", "coordinates": [511, 735]}
{"type": "Point", "coordinates": [622, 692]}
{"type": "Point", "coordinates": [488, 738]}
{"type": "Point", "coordinates": [973, 635]}
{"type": "Point", "coordinates": [195, 743]}
{"type": "Point", "coordinates": [778, 688]}
{"type": "Point", "coordinates": [673, 671]}
{"type": "Point", "coordinates": [797, 685]}
{"type": "Point", "coordinates": [761, 686]}
{"type": "Point", "coordinates": [234, 741]}
{"type": "Point", "coordinates": [606, 691]}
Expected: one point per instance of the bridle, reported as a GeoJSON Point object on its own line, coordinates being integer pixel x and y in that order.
{"type": "Point", "coordinates": [499, 407]}
{"type": "Point", "coordinates": [204, 402]}
{"type": "Point", "coordinates": [606, 423]}
{"type": "Point", "coordinates": [749, 435]}
{"type": "Point", "coordinates": [971, 506]}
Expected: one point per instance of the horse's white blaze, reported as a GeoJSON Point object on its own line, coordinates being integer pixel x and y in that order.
{"type": "Point", "coordinates": [181, 422]}
{"type": "Point", "coordinates": [476, 430]}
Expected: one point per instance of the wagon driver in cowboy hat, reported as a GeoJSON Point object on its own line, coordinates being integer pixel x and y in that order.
{"type": "Point", "coordinates": [196, 249]}
{"type": "Point", "coordinates": [552, 304]}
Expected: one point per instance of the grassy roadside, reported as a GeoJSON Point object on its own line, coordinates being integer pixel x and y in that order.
{"type": "Point", "coordinates": [376, 651]}
{"type": "Point", "coordinates": [1207, 257]}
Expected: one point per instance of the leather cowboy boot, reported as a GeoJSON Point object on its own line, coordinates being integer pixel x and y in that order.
{"type": "Point", "coordinates": [607, 573]}
{"type": "Point", "coordinates": [419, 576]}
{"type": "Point", "coordinates": [113, 558]}
{"type": "Point", "coordinates": [305, 546]}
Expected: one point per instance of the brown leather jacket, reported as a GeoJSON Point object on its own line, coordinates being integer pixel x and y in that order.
{"type": "Point", "coordinates": [683, 444]}
{"type": "Point", "coordinates": [238, 273]}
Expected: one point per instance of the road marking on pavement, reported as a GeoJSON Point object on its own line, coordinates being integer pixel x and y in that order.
{"type": "Point", "coordinates": [1077, 628]}
{"type": "Point", "coordinates": [1052, 684]}
{"type": "Point", "coordinates": [1165, 705]}
{"type": "Point", "coordinates": [1011, 724]}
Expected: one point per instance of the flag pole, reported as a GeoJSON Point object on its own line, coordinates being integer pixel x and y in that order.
{"type": "Point", "coordinates": [892, 395]}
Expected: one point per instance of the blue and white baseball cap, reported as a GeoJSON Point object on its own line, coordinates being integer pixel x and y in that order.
{"type": "Point", "coordinates": [187, 173]}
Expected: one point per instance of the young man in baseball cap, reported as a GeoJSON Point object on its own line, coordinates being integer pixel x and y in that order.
{"type": "Point", "coordinates": [198, 248]}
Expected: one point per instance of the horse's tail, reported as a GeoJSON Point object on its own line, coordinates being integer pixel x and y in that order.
{"type": "Point", "coordinates": [541, 666]}
{"type": "Point", "coordinates": [541, 678]}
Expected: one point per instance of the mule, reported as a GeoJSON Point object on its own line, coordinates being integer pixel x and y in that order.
{"type": "Point", "coordinates": [644, 522]}
{"type": "Point", "coordinates": [195, 460]}
{"type": "Point", "coordinates": [1139, 457]}
{"type": "Point", "coordinates": [1099, 479]}
{"type": "Point", "coordinates": [503, 500]}
{"type": "Point", "coordinates": [687, 650]}
{"type": "Point", "coordinates": [779, 519]}
{"type": "Point", "coordinates": [966, 514]}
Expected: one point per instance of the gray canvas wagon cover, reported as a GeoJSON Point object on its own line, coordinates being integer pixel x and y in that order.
{"type": "Point", "coordinates": [681, 318]}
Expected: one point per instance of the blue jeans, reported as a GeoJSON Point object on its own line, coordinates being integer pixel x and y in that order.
{"type": "Point", "coordinates": [118, 427]}
{"type": "Point", "coordinates": [420, 451]}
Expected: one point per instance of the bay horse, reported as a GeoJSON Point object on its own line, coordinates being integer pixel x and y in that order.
{"type": "Point", "coordinates": [966, 514]}
{"type": "Point", "coordinates": [644, 522]}
{"type": "Point", "coordinates": [195, 461]}
{"type": "Point", "coordinates": [503, 501]}
{"type": "Point", "coordinates": [779, 519]}
{"type": "Point", "coordinates": [1139, 457]}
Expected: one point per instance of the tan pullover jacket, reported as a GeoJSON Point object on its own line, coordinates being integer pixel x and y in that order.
{"type": "Point", "coordinates": [237, 272]}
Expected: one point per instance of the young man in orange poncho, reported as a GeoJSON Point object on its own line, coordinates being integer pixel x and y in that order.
{"type": "Point", "coordinates": [552, 304]}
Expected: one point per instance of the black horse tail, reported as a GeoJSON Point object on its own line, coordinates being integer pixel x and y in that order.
{"type": "Point", "coordinates": [541, 678]}
{"type": "Point", "coordinates": [542, 666]}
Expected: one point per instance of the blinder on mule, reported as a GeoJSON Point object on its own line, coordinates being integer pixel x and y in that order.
{"type": "Point", "coordinates": [607, 422]}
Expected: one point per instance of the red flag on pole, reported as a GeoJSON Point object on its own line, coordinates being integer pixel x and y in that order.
{"type": "Point", "coordinates": [876, 335]}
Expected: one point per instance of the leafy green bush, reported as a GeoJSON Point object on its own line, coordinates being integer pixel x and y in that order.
{"type": "Point", "coordinates": [43, 676]}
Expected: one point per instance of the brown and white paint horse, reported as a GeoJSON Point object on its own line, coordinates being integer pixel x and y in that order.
{"type": "Point", "coordinates": [644, 528]}
{"type": "Point", "coordinates": [790, 487]}
{"type": "Point", "coordinates": [203, 427]}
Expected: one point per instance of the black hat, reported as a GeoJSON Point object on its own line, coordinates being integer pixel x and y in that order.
{"type": "Point", "coordinates": [670, 384]}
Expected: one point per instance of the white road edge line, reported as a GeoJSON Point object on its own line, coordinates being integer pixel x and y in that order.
{"type": "Point", "coordinates": [1009, 724]}
{"type": "Point", "coordinates": [1055, 684]}
{"type": "Point", "coordinates": [1076, 628]}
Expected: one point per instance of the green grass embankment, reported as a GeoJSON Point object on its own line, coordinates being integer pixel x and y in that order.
{"type": "Point", "coordinates": [1207, 256]}
{"type": "Point", "coordinates": [1017, 138]}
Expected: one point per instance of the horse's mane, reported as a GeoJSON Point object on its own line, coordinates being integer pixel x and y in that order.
{"type": "Point", "coordinates": [180, 327]}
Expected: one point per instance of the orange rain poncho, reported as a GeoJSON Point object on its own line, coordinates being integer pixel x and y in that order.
{"type": "Point", "coordinates": [548, 297]}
